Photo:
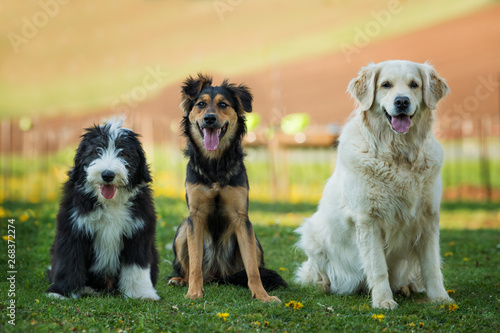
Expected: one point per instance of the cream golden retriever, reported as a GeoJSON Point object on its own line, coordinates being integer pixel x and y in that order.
{"type": "Point", "coordinates": [377, 225]}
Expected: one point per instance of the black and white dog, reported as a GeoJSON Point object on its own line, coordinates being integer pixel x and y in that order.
{"type": "Point", "coordinates": [105, 240]}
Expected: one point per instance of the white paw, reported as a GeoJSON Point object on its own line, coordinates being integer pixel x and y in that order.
{"type": "Point", "coordinates": [151, 294]}
{"type": "Point", "coordinates": [56, 296]}
{"type": "Point", "coordinates": [385, 304]}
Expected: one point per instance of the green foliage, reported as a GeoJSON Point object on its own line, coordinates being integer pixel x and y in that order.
{"type": "Point", "coordinates": [471, 261]}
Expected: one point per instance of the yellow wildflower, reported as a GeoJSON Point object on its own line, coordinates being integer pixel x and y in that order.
{"type": "Point", "coordinates": [223, 315]}
{"type": "Point", "coordinates": [420, 324]}
{"type": "Point", "coordinates": [2, 212]}
{"type": "Point", "coordinates": [295, 305]}
{"type": "Point", "coordinates": [411, 324]}
{"type": "Point", "coordinates": [451, 243]}
{"type": "Point", "coordinates": [282, 269]}
{"type": "Point", "coordinates": [378, 317]}
{"type": "Point", "coordinates": [9, 237]}
{"type": "Point", "coordinates": [450, 291]}
{"type": "Point", "coordinates": [452, 307]}
{"type": "Point", "coordinates": [256, 323]}
{"type": "Point", "coordinates": [448, 254]}
{"type": "Point", "coordinates": [24, 217]}
{"type": "Point", "coordinates": [466, 259]}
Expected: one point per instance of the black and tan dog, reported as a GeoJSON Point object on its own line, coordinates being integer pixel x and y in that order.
{"type": "Point", "coordinates": [216, 243]}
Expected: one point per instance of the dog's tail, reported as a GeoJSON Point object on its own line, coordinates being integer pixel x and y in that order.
{"type": "Point", "coordinates": [270, 279]}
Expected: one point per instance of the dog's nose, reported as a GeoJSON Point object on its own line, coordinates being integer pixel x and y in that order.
{"type": "Point", "coordinates": [210, 119]}
{"type": "Point", "coordinates": [108, 176]}
{"type": "Point", "coordinates": [401, 102]}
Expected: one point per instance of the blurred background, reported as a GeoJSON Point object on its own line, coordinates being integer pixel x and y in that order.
{"type": "Point", "coordinates": [66, 65]}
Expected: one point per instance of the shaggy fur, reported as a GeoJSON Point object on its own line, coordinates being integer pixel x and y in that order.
{"type": "Point", "coordinates": [377, 225]}
{"type": "Point", "coordinates": [216, 243]}
{"type": "Point", "coordinates": [105, 240]}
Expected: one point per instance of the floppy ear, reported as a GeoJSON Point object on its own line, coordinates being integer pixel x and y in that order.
{"type": "Point", "coordinates": [191, 90]}
{"type": "Point", "coordinates": [362, 88]}
{"type": "Point", "coordinates": [434, 87]}
{"type": "Point", "coordinates": [244, 97]}
{"type": "Point", "coordinates": [143, 171]}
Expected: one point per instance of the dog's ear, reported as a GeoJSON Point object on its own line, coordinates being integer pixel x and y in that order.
{"type": "Point", "coordinates": [143, 170]}
{"type": "Point", "coordinates": [191, 89]}
{"type": "Point", "coordinates": [434, 87]}
{"type": "Point", "coordinates": [242, 95]}
{"type": "Point", "coordinates": [362, 88]}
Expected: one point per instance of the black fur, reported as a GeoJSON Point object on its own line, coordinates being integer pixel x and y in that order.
{"type": "Point", "coordinates": [226, 170]}
{"type": "Point", "coordinates": [73, 253]}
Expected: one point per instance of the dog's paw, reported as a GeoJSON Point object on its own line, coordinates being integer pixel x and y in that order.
{"type": "Point", "coordinates": [56, 296]}
{"type": "Point", "coordinates": [178, 281]}
{"type": "Point", "coordinates": [269, 299]}
{"type": "Point", "coordinates": [194, 294]}
{"type": "Point", "coordinates": [385, 304]}
{"type": "Point", "coordinates": [405, 291]}
{"type": "Point", "coordinates": [443, 299]}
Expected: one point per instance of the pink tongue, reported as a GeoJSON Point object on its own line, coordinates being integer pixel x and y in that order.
{"type": "Point", "coordinates": [210, 138]}
{"type": "Point", "coordinates": [401, 124]}
{"type": "Point", "coordinates": [108, 191]}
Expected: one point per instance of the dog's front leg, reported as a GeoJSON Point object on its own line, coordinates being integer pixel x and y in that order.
{"type": "Point", "coordinates": [371, 247]}
{"type": "Point", "coordinates": [235, 199]}
{"type": "Point", "coordinates": [200, 199]}
{"type": "Point", "coordinates": [195, 250]}
{"type": "Point", "coordinates": [430, 263]}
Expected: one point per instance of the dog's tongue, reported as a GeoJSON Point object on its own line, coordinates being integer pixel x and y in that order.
{"type": "Point", "coordinates": [108, 191]}
{"type": "Point", "coordinates": [401, 123]}
{"type": "Point", "coordinates": [211, 138]}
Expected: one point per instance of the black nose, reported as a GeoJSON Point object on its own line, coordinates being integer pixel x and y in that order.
{"type": "Point", "coordinates": [401, 102]}
{"type": "Point", "coordinates": [108, 176]}
{"type": "Point", "coordinates": [210, 119]}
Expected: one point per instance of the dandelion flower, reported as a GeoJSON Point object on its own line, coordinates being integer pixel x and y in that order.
{"type": "Point", "coordinates": [452, 307]}
{"type": "Point", "coordinates": [420, 324]}
{"type": "Point", "coordinates": [378, 317]}
{"type": "Point", "coordinates": [223, 315]}
{"type": "Point", "coordinates": [24, 217]}
{"type": "Point", "coordinates": [7, 238]}
{"type": "Point", "coordinates": [466, 259]}
{"type": "Point", "coordinates": [450, 291]}
{"type": "Point", "coordinates": [283, 269]}
{"type": "Point", "coordinates": [295, 305]}
{"type": "Point", "coordinates": [412, 324]}
{"type": "Point", "coordinates": [451, 243]}
{"type": "Point", "coordinates": [448, 254]}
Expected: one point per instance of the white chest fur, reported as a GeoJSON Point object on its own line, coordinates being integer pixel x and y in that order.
{"type": "Point", "coordinates": [107, 225]}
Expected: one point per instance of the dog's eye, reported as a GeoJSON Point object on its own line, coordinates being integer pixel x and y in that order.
{"type": "Point", "coordinates": [201, 104]}
{"type": "Point", "coordinates": [222, 105]}
{"type": "Point", "coordinates": [386, 85]}
{"type": "Point", "coordinates": [413, 85]}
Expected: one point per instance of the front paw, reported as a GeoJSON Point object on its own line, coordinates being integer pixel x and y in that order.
{"type": "Point", "coordinates": [178, 281]}
{"type": "Point", "coordinates": [443, 299]}
{"type": "Point", "coordinates": [194, 293]}
{"type": "Point", "coordinates": [264, 297]}
{"type": "Point", "coordinates": [56, 296]}
{"type": "Point", "coordinates": [385, 304]}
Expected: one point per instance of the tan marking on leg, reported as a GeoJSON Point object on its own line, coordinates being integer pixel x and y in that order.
{"type": "Point", "coordinates": [201, 203]}
{"type": "Point", "coordinates": [235, 204]}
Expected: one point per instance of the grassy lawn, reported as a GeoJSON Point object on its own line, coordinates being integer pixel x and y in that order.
{"type": "Point", "coordinates": [471, 260]}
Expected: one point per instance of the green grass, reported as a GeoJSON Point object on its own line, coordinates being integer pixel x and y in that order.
{"type": "Point", "coordinates": [471, 260]}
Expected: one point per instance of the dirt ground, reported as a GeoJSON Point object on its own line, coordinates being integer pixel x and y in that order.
{"type": "Point", "coordinates": [465, 51]}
